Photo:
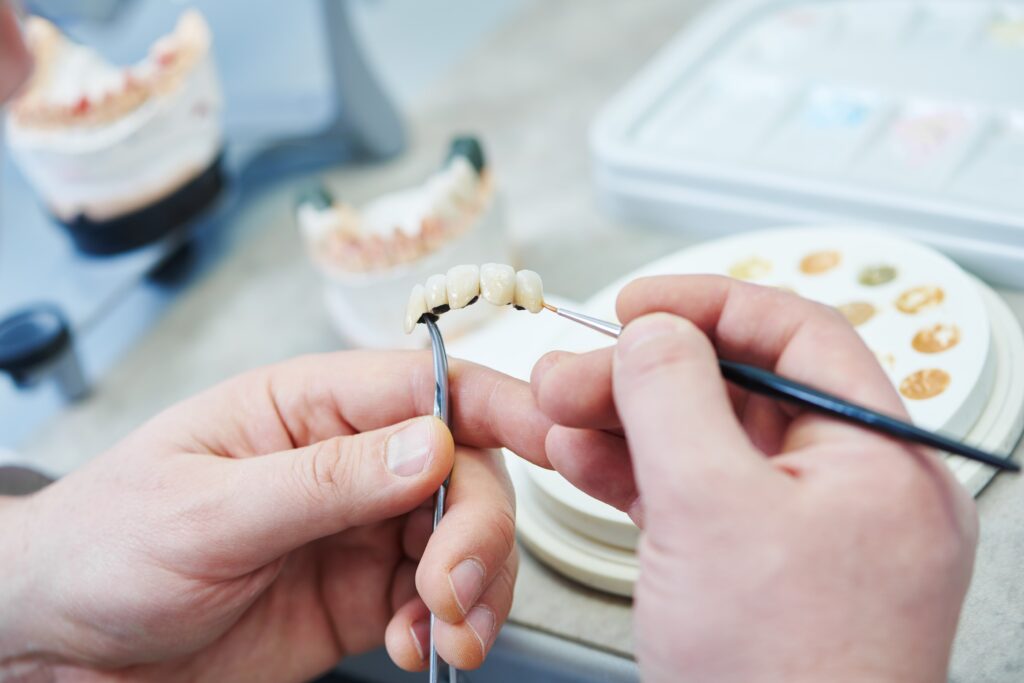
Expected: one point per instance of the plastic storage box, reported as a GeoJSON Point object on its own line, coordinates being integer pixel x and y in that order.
{"type": "Point", "coordinates": [896, 113]}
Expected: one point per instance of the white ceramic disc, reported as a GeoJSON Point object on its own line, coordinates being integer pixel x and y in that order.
{"type": "Point", "coordinates": [606, 568]}
{"type": "Point", "coordinates": [1002, 421]}
{"type": "Point", "coordinates": [576, 510]}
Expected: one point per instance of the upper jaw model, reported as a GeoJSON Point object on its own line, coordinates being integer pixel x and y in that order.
{"type": "Point", "coordinates": [102, 144]}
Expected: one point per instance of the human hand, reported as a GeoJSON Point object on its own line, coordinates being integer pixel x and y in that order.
{"type": "Point", "coordinates": [778, 545]}
{"type": "Point", "coordinates": [269, 527]}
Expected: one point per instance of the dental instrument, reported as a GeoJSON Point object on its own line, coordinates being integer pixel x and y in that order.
{"type": "Point", "coordinates": [442, 412]}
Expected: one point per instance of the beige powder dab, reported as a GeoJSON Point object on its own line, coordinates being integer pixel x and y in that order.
{"type": "Point", "coordinates": [857, 312]}
{"type": "Point", "coordinates": [753, 268]}
{"type": "Point", "coordinates": [916, 299]}
{"type": "Point", "coordinates": [924, 384]}
{"type": "Point", "coordinates": [936, 339]}
{"type": "Point", "coordinates": [820, 262]}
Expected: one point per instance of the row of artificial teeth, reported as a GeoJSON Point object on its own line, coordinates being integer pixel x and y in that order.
{"type": "Point", "coordinates": [497, 283]}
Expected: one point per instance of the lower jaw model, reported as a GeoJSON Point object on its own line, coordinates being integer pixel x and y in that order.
{"type": "Point", "coordinates": [120, 156]}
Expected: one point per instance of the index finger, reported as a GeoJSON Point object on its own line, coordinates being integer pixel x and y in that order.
{"type": "Point", "coordinates": [312, 398]}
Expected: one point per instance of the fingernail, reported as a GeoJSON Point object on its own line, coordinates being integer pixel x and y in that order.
{"type": "Point", "coordinates": [409, 450]}
{"type": "Point", "coordinates": [481, 622]}
{"type": "Point", "coordinates": [467, 582]}
{"type": "Point", "coordinates": [420, 632]}
{"type": "Point", "coordinates": [645, 330]}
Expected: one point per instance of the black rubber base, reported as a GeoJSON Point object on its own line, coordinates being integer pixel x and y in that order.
{"type": "Point", "coordinates": [148, 224]}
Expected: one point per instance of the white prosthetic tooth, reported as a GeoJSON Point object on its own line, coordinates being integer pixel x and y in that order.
{"type": "Point", "coordinates": [415, 309]}
{"type": "Point", "coordinates": [498, 283]}
{"type": "Point", "coordinates": [436, 293]}
{"type": "Point", "coordinates": [463, 285]}
{"type": "Point", "coordinates": [529, 291]}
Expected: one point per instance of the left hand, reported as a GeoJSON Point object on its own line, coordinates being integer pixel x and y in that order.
{"type": "Point", "coordinates": [271, 526]}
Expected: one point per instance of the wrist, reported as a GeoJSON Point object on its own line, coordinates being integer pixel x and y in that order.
{"type": "Point", "coordinates": [21, 651]}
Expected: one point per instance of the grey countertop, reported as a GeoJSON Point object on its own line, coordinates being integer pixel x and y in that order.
{"type": "Point", "coordinates": [530, 91]}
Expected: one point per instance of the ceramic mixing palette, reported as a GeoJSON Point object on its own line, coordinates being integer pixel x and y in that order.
{"type": "Point", "coordinates": [921, 314]}
{"type": "Point", "coordinates": [950, 346]}
{"type": "Point", "coordinates": [777, 112]}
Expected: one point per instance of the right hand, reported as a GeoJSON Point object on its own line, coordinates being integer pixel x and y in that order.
{"type": "Point", "coordinates": [778, 544]}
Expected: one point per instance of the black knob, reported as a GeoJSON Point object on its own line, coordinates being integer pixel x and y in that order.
{"type": "Point", "coordinates": [36, 342]}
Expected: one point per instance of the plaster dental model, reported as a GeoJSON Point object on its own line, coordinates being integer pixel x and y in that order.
{"type": "Point", "coordinates": [103, 145]}
{"type": "Point", "coordinates": [400, 227]}
{"type": "Point", "coordinates": [463, 285]}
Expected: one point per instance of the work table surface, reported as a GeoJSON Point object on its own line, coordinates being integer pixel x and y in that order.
{"type": "Point", "coordinates": [530, 91]}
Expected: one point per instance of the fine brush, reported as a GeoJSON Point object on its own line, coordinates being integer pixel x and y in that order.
{"type": "Point", "coordinates": [769, 384]}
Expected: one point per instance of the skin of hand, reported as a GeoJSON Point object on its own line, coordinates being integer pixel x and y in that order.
{"type": "Point", "coordinates": [15, 61]}
{"type": "Point", "coordinates": [777, 545]}
{"type": "Point", "coordinates": [269, 527]}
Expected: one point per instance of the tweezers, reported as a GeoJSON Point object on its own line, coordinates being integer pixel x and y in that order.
{"type": "Point", "coordinates": [769, 384]}
{"type": "Point", "coordinates": [442, 412]}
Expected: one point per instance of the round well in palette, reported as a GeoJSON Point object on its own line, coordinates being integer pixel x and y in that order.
{"type": "Point", "coordinates": [936, 338]}
{"type": "Point", "coordinates": [916, 299]}
{"type": "Point", "coordinates": [876, 275]}
{"type": "Point", "coordinates": [924, 384]}
{"type": "Point", "coordinates": [857, 312]}
{"type": "Point", "coordinates": [752, 268]}
{"type": "Point", "coordinates": [819, 262]}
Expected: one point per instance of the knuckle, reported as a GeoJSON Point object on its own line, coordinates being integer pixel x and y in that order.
{"type": "Point", "coordinates": [687, 345]}
{"type": "Point", "coordinates": [330, 465]}
{"type": "Point", "coordinates": [828, 321]}
{"type": "Point", "coordinates": [503, 527]}
{"type": "Point", "coordinates": [507, 577]}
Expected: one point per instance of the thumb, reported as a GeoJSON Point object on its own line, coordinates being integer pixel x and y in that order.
{"type": "Point", "coordinates": [683, 435]}
{"type": "Point", "coordinates": [278, 502]}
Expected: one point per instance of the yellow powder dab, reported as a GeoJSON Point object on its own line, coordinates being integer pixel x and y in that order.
{"type": "Point", "coordinates": [753, 268]}
{"type": "Point", "coordinates": [924, 384]}
{"type": "Point", "coordinates": [916, 299]}
{"type": "Point", "coordinates": [936, 339]}
{"type": "Point", "coordinates": [820, 262]}
{"type": "Point", "coordinates": [857, 312]}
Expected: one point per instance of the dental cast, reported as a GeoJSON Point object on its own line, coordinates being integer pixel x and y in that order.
{"type": "Point", "coordinates": [497, 283]}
